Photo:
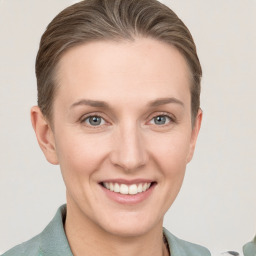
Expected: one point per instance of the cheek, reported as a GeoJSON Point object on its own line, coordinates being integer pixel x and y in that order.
{"type": "Point", "coordinates": [171, 151]}
{"type": "Point", "coordinates": [170, 154]}
{"type": "Point", "coordinates": [80, 155]}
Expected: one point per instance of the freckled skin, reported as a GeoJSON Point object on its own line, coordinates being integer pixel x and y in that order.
{"type": "Point", "coordinates": [128, 142]}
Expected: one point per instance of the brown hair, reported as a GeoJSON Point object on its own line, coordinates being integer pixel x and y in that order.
{"type": "Point", "coordinates": [94, 20]}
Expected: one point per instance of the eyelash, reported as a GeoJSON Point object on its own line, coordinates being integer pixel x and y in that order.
{"type": "Point", "coordinates": [91, 115]}
{"type": "Point", "coordinates": [166, 115]}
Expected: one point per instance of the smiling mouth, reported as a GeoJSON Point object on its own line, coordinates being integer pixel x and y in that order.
{"type": "Point", "coordinates": [124, 189]}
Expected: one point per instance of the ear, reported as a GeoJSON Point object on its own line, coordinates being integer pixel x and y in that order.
{"type": "Point", "coordinates": [44, 135]}
{"type": "Point", "coordinates": [194, 134]}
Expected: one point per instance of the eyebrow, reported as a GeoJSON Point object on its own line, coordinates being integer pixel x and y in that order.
{"type": "Point", "coordinates": [92, 103]}
{"type": "Point", "coordinates": [103, 104]}
{"type": "Point", "coordinates": [164, 101]}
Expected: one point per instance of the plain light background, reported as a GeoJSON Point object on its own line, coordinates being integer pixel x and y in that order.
{"type": "Point", "coordinates": [216, 206]}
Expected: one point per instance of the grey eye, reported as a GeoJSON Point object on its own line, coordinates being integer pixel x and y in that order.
{"type": "Point", "coordinates": [160, 120]}
{"type": "Point", "coordinates": [95, 120]}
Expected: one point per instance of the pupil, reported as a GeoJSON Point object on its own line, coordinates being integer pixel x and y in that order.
{"type": "Point", "coordinates": [160, 120]}
{"type": "Point", "coordinates": [95, 120]}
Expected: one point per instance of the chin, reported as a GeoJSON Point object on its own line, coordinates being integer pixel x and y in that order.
{"type": "Point", "coordinates": [130, 225]}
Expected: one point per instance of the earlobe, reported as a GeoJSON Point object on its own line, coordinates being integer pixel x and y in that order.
{"type": "Point", "coordinates": [194, 134]}
{"type": "Point", "coordinates": [44, 134]}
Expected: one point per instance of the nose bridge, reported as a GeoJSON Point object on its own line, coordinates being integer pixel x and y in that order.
{"type": "Point", "coordinates": [129, 151]}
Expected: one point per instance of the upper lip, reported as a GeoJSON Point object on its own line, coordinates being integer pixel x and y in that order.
{"type": "Point", "coordinates": [127, 182]}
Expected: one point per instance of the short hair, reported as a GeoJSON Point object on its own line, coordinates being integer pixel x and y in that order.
{"type": "Point", "coordinates": [99, 20]}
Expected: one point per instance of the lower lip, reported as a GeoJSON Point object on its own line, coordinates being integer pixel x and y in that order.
{"type": "Point", "coordinates": [129, 199]}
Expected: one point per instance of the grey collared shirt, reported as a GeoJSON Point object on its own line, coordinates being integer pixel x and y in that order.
{"type": "Point", "coordinates": [53, 242]}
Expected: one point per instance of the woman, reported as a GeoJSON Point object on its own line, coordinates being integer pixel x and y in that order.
{"type": "Point", "coordinates": [119, 111]}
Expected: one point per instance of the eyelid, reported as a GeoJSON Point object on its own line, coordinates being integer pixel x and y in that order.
{"type": "Point", "coordinates": [161, 113]}
{"type": "Point", "coordinates": [171, 116]}
{"type": "Point", "coordinates": [101, 115]}
{"type": "Point", "coordinates": [93, 114]}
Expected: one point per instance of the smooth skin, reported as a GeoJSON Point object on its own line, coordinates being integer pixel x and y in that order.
{"type": "Point", "coordinates": [122, 111]}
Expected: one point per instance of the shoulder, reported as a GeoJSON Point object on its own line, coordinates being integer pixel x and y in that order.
{"type": "Point", "coordinates": [51, 241]}
{"type": "Point", "coordinates": [250, 248]}
{"type": "Point", "coordinates": [29, 248]}
{"type": "Point", "coordinates": [179, 247]}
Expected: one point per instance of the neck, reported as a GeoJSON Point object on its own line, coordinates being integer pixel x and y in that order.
{"type": "Point", "coordinates": [85, 238]}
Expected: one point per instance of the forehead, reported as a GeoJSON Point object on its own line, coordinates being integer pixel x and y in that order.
{"type": "Point", "coordinates": [144, 67]}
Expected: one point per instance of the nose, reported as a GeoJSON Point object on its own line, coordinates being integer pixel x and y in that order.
{"type": "Point", "coordinates": [129, 150]}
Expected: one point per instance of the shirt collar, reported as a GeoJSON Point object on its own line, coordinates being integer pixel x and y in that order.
{"type": "Point", "coordinates": [250, 248]}
{"type": "Point", "coordinates": [179, 247]}
{"type": "Point", "coordinates": [53, 240]}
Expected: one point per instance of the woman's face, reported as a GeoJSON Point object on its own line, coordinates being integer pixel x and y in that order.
{"type": "Point", "coordinates": [122, 122]}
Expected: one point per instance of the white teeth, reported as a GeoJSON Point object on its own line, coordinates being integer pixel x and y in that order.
{"type": "Point", "coordinates": [140, 188]}
{"type": "Point", "coordinates": [116, 188]}
{"type": "Point", "coordinates": [133, 190]}
{"type": "Point", "coordinates": [107, 185]}
{"type": "Point", "coordinates": [144, 187]}
{"type": "Point", "coordinates": [124, 189]}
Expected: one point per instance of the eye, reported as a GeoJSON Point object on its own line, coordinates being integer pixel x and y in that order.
{"type": "Point", "coordinates": [160, 120]}
{"type": "Point", "coordinates": [94, 121]}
